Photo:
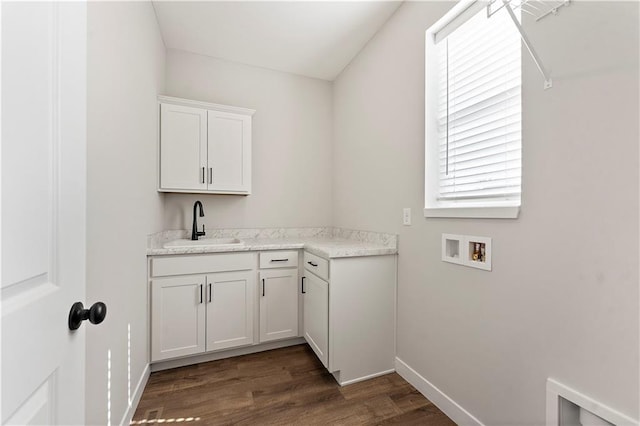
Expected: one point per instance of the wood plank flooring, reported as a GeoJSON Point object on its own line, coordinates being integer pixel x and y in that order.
{"type": "Point", "coordinates": [286, 386]}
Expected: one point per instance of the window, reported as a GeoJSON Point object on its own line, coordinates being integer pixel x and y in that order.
{"type": "Point", "coordinates": [473, 115]}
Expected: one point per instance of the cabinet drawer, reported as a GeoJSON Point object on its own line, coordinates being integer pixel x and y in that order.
{"type": "Point", "coordinates": [317, 265]}
{"type": "Point", "coordinates": [202, 264]}
{"type": "Point", "coordinates": [279, 259]}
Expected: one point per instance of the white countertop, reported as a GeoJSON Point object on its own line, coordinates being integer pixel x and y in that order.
{"type": "Point", "coordinates": [330, 244]}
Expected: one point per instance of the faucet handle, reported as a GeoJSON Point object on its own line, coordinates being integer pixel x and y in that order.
{"type": "Point", "coordinates": [203, 231]}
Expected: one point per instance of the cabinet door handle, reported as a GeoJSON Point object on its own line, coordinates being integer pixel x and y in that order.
{"type": "Point", "coordinates": [312, 264]}
{"type": "Point", "coordinates": [263, 287]}
{"type": "Point", "coordinates": [201, 293]}
{"type": "Point", "coordinates": [210, 175]}
{"type": "Point", "coordinates": [279, 260]}
{"type": "Point", "coordinates": [303, 292]}
{"type": "Point", "coordinates": [210, 292]}
{"type": "Point", "coordinates": [203, 175]}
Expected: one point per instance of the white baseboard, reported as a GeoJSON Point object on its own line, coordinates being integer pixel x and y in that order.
{"type": "Point", "coordinates": [227, 353]}
{"type": "Point", "coordinates": [359, 379]}
{"type": "Point", "coordinates": [137, 394]}
{"type": "Point", "coordinates": [447, 405]}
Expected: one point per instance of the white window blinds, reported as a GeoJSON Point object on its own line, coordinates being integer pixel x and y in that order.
{"type": "Point", "coordinates": [479, 111]}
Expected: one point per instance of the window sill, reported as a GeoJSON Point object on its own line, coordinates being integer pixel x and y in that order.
{"type": "Point", "coordinates": [497, 212]}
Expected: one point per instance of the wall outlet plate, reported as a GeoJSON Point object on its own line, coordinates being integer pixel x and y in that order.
{"type": "Point", "coordinates": [406, 216]}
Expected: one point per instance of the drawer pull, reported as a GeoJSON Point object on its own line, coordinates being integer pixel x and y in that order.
{"type": "Point", "coordinates": [279, 260]}
{"type": "Point", "coordinates": [263, 287]}
{"type": "Point", "coordinates": [312, 264]}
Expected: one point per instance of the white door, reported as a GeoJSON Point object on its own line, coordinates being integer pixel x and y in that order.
{"type": "Point", "coordinates": [230, 309]}
{"type": "Point", "coordinates": [316, 316]}
{"type": "Point", "coordinates": [43, 211]}
{"type": "Point", "coordinates": [278, 304]}
{"type": "Point", "coordinates": [183, 147]}
{"type": "Point", "coordinates": [177, 316]}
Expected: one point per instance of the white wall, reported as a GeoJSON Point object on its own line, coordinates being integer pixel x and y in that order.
{"type": "Point", "coordinates": [126, 59]}
{"type": "Point", "coordinates": [292, 130]}
{"type": "Point", "coordinates": [562, 299]}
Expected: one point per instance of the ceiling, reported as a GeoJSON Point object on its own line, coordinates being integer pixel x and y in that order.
{"type": "Point", "coordinates": [311, 38]}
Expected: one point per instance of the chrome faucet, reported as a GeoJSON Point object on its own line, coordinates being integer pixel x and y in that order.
{"type": "Point", "coordinates": [194, 230]}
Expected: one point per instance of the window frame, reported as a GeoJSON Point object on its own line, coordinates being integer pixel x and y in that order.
{"type": "Point", "coordinates": [434, 208]}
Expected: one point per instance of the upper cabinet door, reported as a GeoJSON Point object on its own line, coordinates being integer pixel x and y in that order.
{"type": "Point", "coordinates": [183, 148]}
{"type": "Point", "coordinates": [229, 155]}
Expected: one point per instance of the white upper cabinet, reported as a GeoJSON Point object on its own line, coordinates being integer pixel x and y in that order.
{"type": "Point", "coordinates": [204, 147]}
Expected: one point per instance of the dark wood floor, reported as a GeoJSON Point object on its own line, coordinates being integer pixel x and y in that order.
{"type": "Point", "coordinates": [286, 386]}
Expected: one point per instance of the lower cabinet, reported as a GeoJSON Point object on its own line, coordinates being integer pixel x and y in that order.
{"type": "Point", "coordinates": [212, 302]}
{"type": "Point", "coordinates": [229, 309]}
{"type": "Point", "coordinates": [201, 312]}
{"type": "Point", "coordinates": [278, 295]}
{"type": "Point", "coordinates": [349, 314]}
{"type": "Point", "coordinates": [316, 316]}
{"type": "Point", "coordinates": [278, 304]}
{"type": "Point", "coordinates": [177, 316]}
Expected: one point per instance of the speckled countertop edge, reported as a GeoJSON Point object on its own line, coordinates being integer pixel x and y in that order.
{"type": "Point", "coordinates": [326, 242]}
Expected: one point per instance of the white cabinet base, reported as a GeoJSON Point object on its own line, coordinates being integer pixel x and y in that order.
{"type": "Point", "coordinates": [197, 306]}
{"type": "Point", "coordinates": [178, 316]}
{"type": "Point", "coordinates": [230, 309]}
{"type": "Point", "coordinates": [316, 316]}
{"type": "Point", "coordinates": [278, 304]}
{"type": "Point", "coordinates": [362, 317]}
{"type": "Point", "coordinates": [349, 321]}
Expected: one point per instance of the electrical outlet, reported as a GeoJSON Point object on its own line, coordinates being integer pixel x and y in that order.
{"type": "Point", "coordinates": [406, 216]}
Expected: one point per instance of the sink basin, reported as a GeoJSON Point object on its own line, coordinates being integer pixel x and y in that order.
{"type": "Point", "coordinates": [205, 242]}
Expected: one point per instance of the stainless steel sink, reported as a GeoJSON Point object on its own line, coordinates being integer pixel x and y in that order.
{"type": "Point", "coordinates": [205, 242]}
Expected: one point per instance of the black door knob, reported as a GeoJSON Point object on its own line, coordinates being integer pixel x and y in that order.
{"type": "Point", "coordinates": [78, 313]}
